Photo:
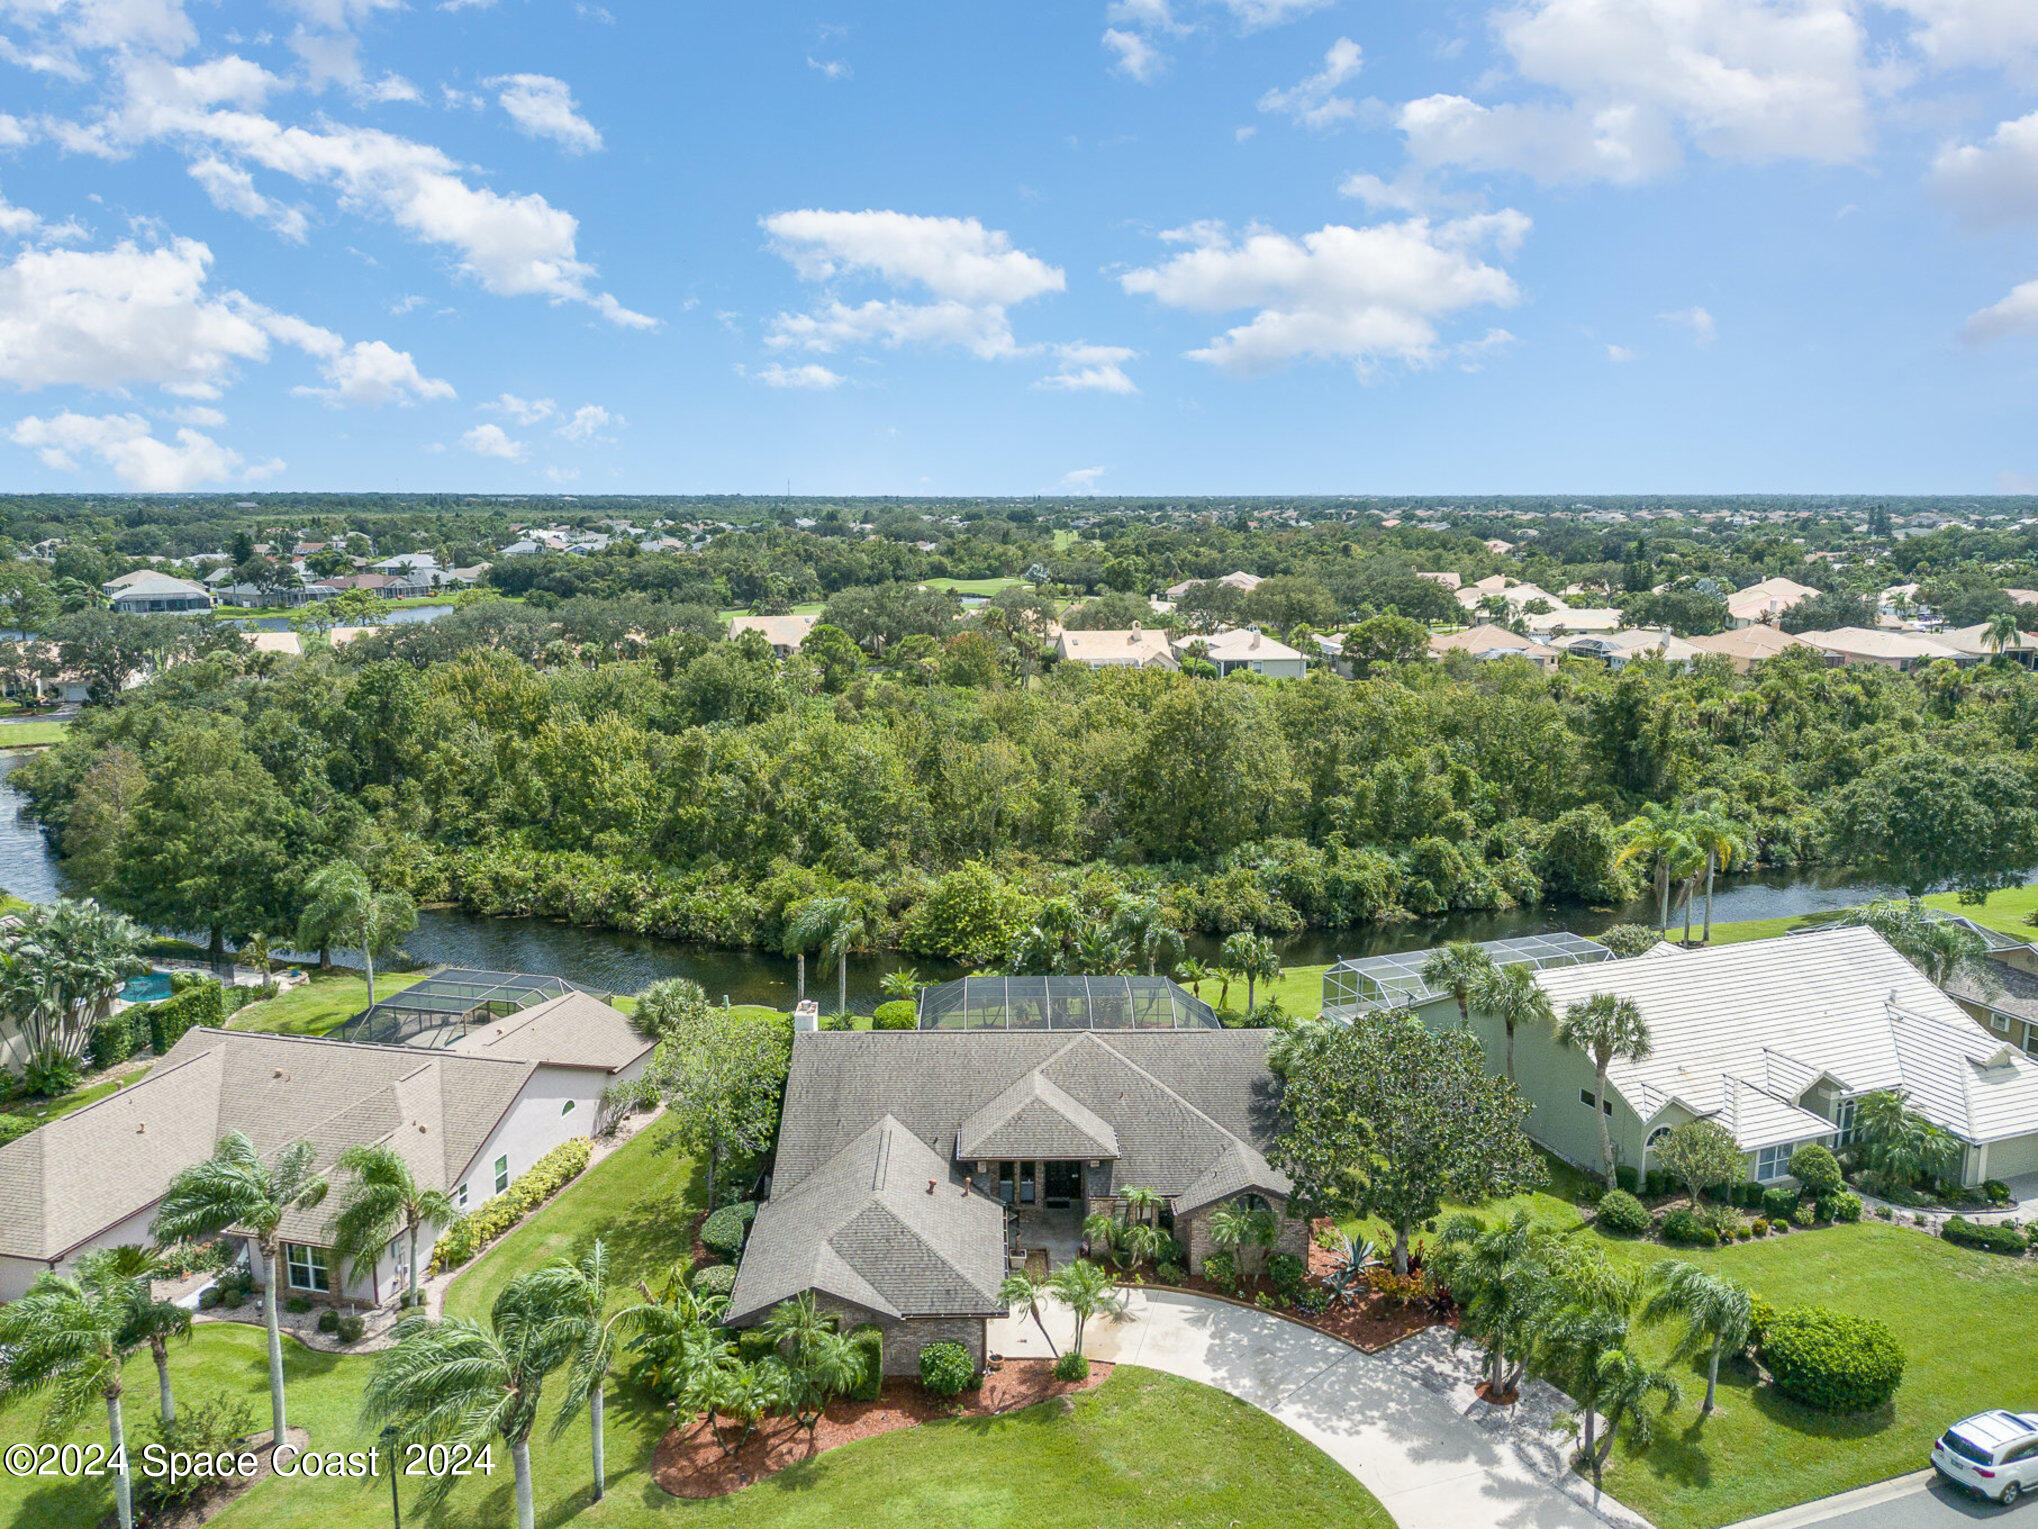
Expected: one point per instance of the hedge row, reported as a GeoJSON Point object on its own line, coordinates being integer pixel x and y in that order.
{"type": "Point", "coordinates": [724, 1232]}
{"type": "Point", "coordinates": [474, 1231]}
{"type": "Point", "coordinates": [1988, 1236]}
{"type": "Point", "coordinates": [168, 1020]}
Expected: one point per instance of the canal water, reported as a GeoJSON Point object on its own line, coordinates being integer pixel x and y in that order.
{"type": "Point", "coordinates": [610, 961]}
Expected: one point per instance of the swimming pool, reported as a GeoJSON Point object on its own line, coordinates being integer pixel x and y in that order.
{"type": "Point", "coordinates": [149, 988]}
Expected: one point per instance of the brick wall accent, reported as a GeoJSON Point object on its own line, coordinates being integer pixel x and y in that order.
{"type": "Point", "coordinates": [906, 1336]}
{"type": "Point", "coordinates": [1291, 1235]}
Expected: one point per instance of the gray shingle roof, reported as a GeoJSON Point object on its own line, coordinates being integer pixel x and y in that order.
{"type": "Point", "coordinates": [882, 1224]}
{"type": "Point", "coordinates": [70, 1179]}
{"type": "Point", "coordinates": [1035, 1118]}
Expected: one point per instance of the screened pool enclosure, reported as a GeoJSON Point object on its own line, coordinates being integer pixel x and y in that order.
{"type": "Point", "coordinates": [1391, 982]}
{"type": "Point", "coordinates": [447, 1005]}
{"type": "Point", "coordinates": [1063, 1003]}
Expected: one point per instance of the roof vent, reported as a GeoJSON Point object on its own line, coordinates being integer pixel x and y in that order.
{"type": "Point", "coordinates": [141, 1128]}
{"type": "Point", "coordinates": [280, 1073]}
{"type": "Point", "coordinates": [930, 1186]}
{"type": "Point", "coordinates": [423, 1129]}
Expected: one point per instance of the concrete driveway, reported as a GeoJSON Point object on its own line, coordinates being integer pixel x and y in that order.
{"type": "Point", "coordinates": [1405, 1423]}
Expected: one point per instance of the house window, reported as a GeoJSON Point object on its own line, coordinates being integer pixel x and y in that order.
{"type": "Point", "coordinates": [306, 1267]}
{"type": "Point", "coordinates": [2000, 1023]}
{"type": "Point", "coordinates": [1844, 1119]}
{"type": "Point", "coordinates": [567, 1107]}
{"type": "Point", "coordinates": [1773, 1163]}
{"type": "Point", "coordinates": [1585, 1098]}
{"type": "Point", "coordinates": [1657, 1136]}
{"type": "Point", "coordinates": [460, 1197]}
{"type": "Point", "coordinates": [502, 1173]}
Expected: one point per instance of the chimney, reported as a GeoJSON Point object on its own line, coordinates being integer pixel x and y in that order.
{"type": "Point", "coordinates": [1255, 642]}
{"type": "Point", "coordinates": [807, 1016]}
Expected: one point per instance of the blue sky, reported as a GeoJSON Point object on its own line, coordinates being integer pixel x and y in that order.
{"type": "Point", "coordinates": [1129, 246]}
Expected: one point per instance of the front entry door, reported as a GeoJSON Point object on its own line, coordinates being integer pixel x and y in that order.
{"type": "Point", "coordinates": [1063, 1183]}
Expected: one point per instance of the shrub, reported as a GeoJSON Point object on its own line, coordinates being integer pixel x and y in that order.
{"type": "Point", "coordinates": [117, 1037]}
{"type": "Point", "coordinates": [1627, 1178]}
{"type": "Point", "coordinates": [1841, 1207]}
{"type": "Point", "coordinates": [1221, 1269]}
{"type": "Point", "coordinates": [1658, 1183]}
{"type": "Point", "coordinates": [1591, 1192]}
{"type": "Point", "coordinates": [1285, 1272]}
{"type": "Point", "coordinates": [723, 1233]}
{"type": "Point", "coordinates": [1777, 1204]}
{"type": "Point", "coordinates": [1402, 1289]}
{"type": "Point", "coordinates": [545, 1178]}
{"type": "Point", "coordinates": [233, 1288]}
{"type": "Point", "coordinates": [1761, 1227]}
{"type": "Point", "coordinates": [1832, 1361]}
{"type": "Point", "coordinates": [1883, 1212]}
{"type": "Point", "coordinates": [896, 1014]}
{"type": "Point", "coordinates": [1686, 1230]}
{"type": "Point", "coordinates": [1742, 1234]}
{"type": "Point", "coordinates": [753, 1344]}
{"type": "Point", "coordinates": [1621, 1213]}
{"type": "Point", "coordinates": [204, 1431]}
{"type": "Point", "coordinates": [1802, 1216]}
{"type": "Point", "coordinates": [838, 1022]}
{"type": "Point", "coordinates": [14, 1127]}
{"type": "Point", "coordinates": [329, 1320]}
{"type": "Point", "coordinates": [868, 1341]}
{"type": "Point", "coordinates": [47, 1077]}
{"type": "Point", "coordinates": [1986, 1235]}
{"type": "Point", "coordinates": [1760, 1315]}
{"type": "Point", "coordinates": [1815, 1167]}
{"type": "Point", "coordinates": [204, 1004]}
{"type": "Point", "coordinates": [1995, 1191]}
{"type": "Point", "coordinates": [1748, 1194]}
{"type": "Point", "coordinates": [351, 1327]}
{"type": "Point", "coordinates": [297, 1305]}
{"type": "Point", "coordinates": [1170, 1273]}
{"type": "Point", "coordinates": [1072, 1367]}
{"type": "Point", "coordinates": [945, 1369]}
{"type": "Point", "coordinates": [716, 1279]}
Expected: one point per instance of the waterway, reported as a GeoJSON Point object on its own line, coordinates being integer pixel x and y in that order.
{"type": "Point", "coordinates": [610, 961]}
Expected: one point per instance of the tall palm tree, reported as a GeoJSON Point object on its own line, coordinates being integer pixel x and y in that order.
{"type": "Point", "coordinates": [1086, 1290]}
{"type": "Point", "coordinates": [235, 1188]}
{"type": "Point", "coordinates": [1461, 969]}
{"type": "Point", "coordinates": [341, 908]}
{"type": "Point", "coordinates": [1022, 1289]}
{"type": "Point", "coordinates": [1657, 834]}
{"type": "Point", "coordinates": [1608, 1027]}
{"type": "Point", "coordinates": [385, 1199]}
{"type": "Point", "coordinates": [153, 1322]}
{"type": "Point", "coordinates": [1686, 866]}
{"type": "Point", "coordinates": [68, 1339]}
{"type": "Point", "coordinates": [1518, 1001]}
{"type": "Point", "coordinates": [458, 1382]}
{"type": "Point", "coordinates": [1724, 843]}
{"type": "Point", "coordinates": [1142, 922]}
{"type": "Point", "coordinates": [578, 1291]}
{"type": "Point", "coordinates": [1500, 1279]}
{"type": "Point", "coordinates": [834, 924]}
{"type": "Point", "coordinates": [1251, 956]}
{"type": "Point", "coordinates": [1717, 1316]}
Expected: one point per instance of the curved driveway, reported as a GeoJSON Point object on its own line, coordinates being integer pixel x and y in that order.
{"type": "Point", "coordinates": [1404, 1422]}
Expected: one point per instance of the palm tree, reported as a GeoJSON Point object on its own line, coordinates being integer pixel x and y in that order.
{"type": "Point", "coordinates": [1717, 1315]}
{"type": "Point", "coordinates": [578, 1292]}
{"type": "Point", "coordinates": [1248, 1230]}
{"type": "Point", "coordinates": [1498, 1277]}
{"type": "Point", "coordinates": [1142, 922]}
{"type": "Point", "coordinates": [235, 1188]}
{"type": "Point", "coordinates": [1086, 1290]}
{"type": "Point", "coordinates": [1140, 1204]}
{"type": "Point", "coordinates": [834, 924]}
{"type": "Point", "coordinates": [1022, 1289]}
{"type": "Point", "coordinates": [1609, 1027]}
{"type": "Point", "coordinates": [1622, 1387]}
{"type": "Point", "coordinates": [458, 1382]}
{"type": "Point", "coordinates": [1724, 842]}
{"type": "Point", "coordinates": [1252, 957]}
{"type": "Point", "coordinates": [153, 1322]}
{"type": "Point", "coordinates": [1461, 969]}
{"type": "Point", "coordinates": [66, 963]}
{"type": "Point", "coordinates": [1686, 866]}
{"type": "Point", "coordinates": [904, 983]}
{"type": "Point", "coordinates": [386, 1199]}
{"type": "Point", "coordinates": [820, 1363]}
{"type": "Point", "coordinates": [68, 1338]}
{"type": "Point", "coordinates": [1192, 974]}
{"type": "Point", "coordinates": [1099, 953]}
{"type": "Point", "coordinates": [1519, 1002]}
{"type": "Point", "coordinates": [1657, 832]}
{"type": "Point", "coordinates": [2000, 631]}
{"type": "Point", "coordinates": [341, 908]}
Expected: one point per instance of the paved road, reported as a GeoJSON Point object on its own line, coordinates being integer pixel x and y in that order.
{"type": "Point", "coordinates": [1919, 1501]}
{"type": "Point", "coordinates": [1405, 1422]}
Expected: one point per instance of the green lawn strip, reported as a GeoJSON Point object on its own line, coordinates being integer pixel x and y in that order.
{"type": "Point", "coordinates": [2008, 912]}
{"type": "Point", "coordinates": [25, 735]}
{"type": "Point", "coordinates": [975, 586]}
{"type": "Point", "coordinates": [637, 1200]}
{"type": "Point", "coordinates": [314, 1007]}
{"type": "Point", "coordinates": [76, 1099]}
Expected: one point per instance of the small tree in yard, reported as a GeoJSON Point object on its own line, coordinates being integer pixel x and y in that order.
{"type": "Point", "coordinates": [1899, 1145]}
{"type": "Point", "coordinates": [1717, 1315]}
{"type": "Point", "coordinates": [1249, 1231]}
{"type": "Point", "coordinates": [1702, 1155]}
{"type": "Point", "coordinates": [1384, 1118]}
{"type": "Point", "coordinates": [1817, 1170]}
{"type": "Point", "coordinates": [1499, 1277]}
{"type": "Point", "coordinates": [1021, 1289]}
{"type": "Point", "coordinates": [1086, 1290]}
{"type": "Point", "coordinates": [721, 1075]}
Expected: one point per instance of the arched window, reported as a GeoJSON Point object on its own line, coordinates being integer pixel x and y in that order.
{"type": "Point", "coordinates": [1656, 1137]}
{"type": "Point", "coordinates": [1252, 1202]}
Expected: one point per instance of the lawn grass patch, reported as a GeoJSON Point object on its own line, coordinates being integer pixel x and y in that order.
{"type": "Point", "coordinates": [328, 1000]}
{"type": "Point", "coordinates": [30, 735]}
{"type": "Point", "coordinates": [76, 1099]}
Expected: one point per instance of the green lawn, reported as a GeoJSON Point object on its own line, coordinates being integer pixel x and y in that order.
{"type": "Point", "coordinates": [318, 1005]}
{"type": "Point", "coordinates": [26, 735]}
{"type": "Point", "coordinates": [1950, 1308]}
{"type": "Point", "coordinates": [76, 1099]}
{"type": "Point", "coordinates": [1143, 1451]}
{"type": "Point", "coordinates": [974, 586]}
{"type": "Point", "coordinates": [637, 1200]}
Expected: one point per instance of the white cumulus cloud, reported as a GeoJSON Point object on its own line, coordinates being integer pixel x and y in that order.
{"type": "Point", "coordinates": [588, 422]}
{"type": "Point", "coordinates": [373, 373]}
{"type": "Point", "coordinates": [525, 411]}
{"type": "Point", "coordinates": [1086, 368]}
{"type": "Point", "coordinates": [1995, 182]}
{"type": "Point", "coordinates": [813, 376]}
{"type": "Point", "coordinates": [126, 444]}
{"type": "Point", "coordinates": [493, 441]}
{"type": "Point", "coordinates": [544, 108]}
{"type": "Point", "coordinates": [1696, 322]}
{"type": "Point", "coordinates": [1315, 103]}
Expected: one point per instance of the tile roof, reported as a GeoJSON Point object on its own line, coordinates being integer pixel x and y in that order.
{"type": "Point", "coordinates": [574, 1030]}
{"type": "Point", "coordinates": [1240, 645]}
{"type": "Point", "coordinates": [74, 1176]}
{"type": "Point", "coordinates": [1765, 1017]}
{"type": "Point", "coordinates": [1748, 642]}
{"type": "Point", "coordinates": [1768, 598]}
{"type": "Point", "coordinates": [1137, 646]}
{"type": "Point", "coordinates": [1866, 642]}
{"type": "Point", "coordinates": [780, 631]}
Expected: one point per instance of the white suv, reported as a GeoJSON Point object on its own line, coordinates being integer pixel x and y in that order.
{"type": "Point", "coordinates": [1992, 1453]}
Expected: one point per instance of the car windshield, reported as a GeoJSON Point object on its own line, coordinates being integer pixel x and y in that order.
{"type": "Point", "coordinates": [1965, 1447]}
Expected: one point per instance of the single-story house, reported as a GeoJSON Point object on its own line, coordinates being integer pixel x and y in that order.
{"type": "Point", "coordinates": [1744, 647]}
{"type": "Point", "coordinates": [784, 633]}
{"type": "Point", "coordinates": [1244, 583]}
{"type": "Point", "coordinates": [1765, 601]}
{"type": "Point", "coordinates": [1139, 648]}
{"type": "Point", "coordinates": [1513, 591]}
{"type": "Point", "coordinates": [1573, 620]}
{"type": "Point", "coordinates": [1489, 642]}
{"type": "Point", "coordinates": [1246, 648]}
{"type": "Point", "coordinates": [1618, 649]}
{"type": "Point", "coordinates": [153, 593]}
{"type": "Point", "coordinates": [1902, 651]}
{"type": "Point", "coordinates": [1776, 1040]}
{"type": "Point", "coordinates": [912, 1164]}
{"type": "Point", "coordinates": [1974, 641]}
{"type": "Point", "coordinates": [468, 1118]}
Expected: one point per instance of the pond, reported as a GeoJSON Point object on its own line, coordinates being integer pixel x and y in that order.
{"type": "Point", "coordinates": [614, 962]}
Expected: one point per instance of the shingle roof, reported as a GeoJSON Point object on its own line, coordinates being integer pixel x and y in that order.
{"type": "Point", "coordinates": [881, 1223]}
{"type": "Point", "coordinates": [73, 1177]}
{"type": "Point", "coordinates": [574, 1030]}
{"type": "Point", "coordinates": [1035, 1118]}
{"type": "Point", "coordinates": [1768, 1016]}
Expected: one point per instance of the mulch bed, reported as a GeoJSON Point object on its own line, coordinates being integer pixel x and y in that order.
{"type": "Point", "coordinates": [690, 1463]}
